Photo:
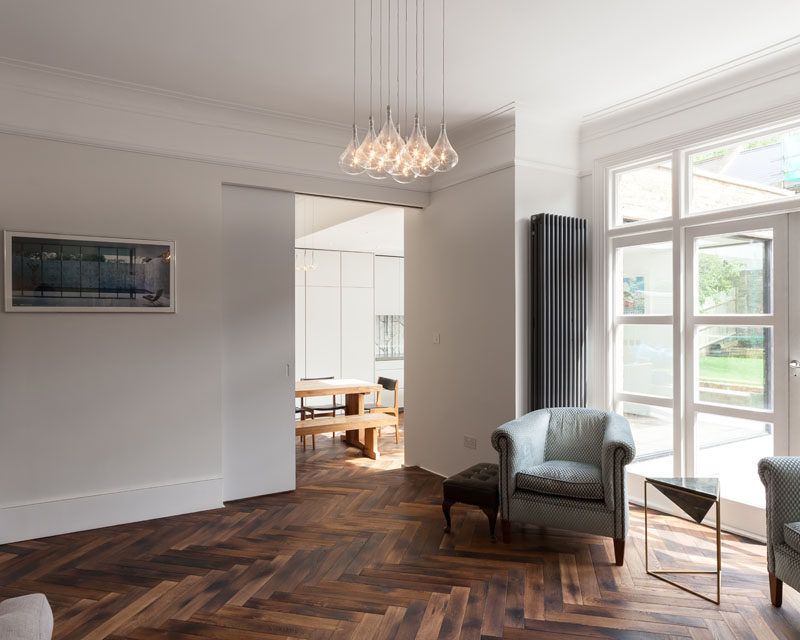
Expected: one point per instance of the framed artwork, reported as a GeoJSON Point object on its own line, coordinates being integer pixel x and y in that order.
{"type": "Point", "coordinates": [48, 272]}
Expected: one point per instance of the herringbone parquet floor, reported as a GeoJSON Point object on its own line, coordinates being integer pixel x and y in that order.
{"type": "Point", "coordinates": [358, 552]}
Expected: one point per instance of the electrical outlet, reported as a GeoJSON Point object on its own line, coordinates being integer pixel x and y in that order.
{"type": "Point", "coordinates": [470, 442]}
{"type": "Point", "coordinates": [436, 338]}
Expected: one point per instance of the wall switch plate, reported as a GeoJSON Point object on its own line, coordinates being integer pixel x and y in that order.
{"type": "Point", "coordinates": [436, 338]}
{"type": "Point", "coordinates": [470, 442]}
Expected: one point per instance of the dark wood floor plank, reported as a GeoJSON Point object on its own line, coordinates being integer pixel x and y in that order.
{"type": "Point", "coordinates": [358, 551]}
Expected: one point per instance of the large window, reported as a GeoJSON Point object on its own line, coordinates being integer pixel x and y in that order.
{"type": "Point", "coordinates": [696, 246]}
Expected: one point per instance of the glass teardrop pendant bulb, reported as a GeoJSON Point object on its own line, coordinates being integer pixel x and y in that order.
{"type": "Point", "coordinates": [388, 139]}
{"type": "Point", "coordinates": [381, 169]}
{"type": "Point", "coordinates": [428, 163]}
{"type": "Point", "coordinates": [368, 151]}
{"type": "Point", "coordinates": [416, 145]}
{"type": "Point", "coordinates": [401, 169]}
{"type": "Point", "coordinates": [350, 161]}
{"type": "Point", "coordinates": [444, 152]}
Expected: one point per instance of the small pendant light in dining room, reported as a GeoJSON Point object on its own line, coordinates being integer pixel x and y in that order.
{"type": "Point", "coordinates": [388, 154]}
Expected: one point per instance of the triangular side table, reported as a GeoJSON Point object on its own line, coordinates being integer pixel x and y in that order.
{"type": "Point", "coordinates": [695, 497]}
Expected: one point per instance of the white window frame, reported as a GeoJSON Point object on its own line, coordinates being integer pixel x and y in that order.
{"type": "Point", "coordinates": [609, 236]}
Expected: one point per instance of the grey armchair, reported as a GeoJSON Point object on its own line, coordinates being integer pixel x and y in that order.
{"type": "Point", "coordinates": [565, 468]}
{"type": "Point", "coordinates": [781, 478]}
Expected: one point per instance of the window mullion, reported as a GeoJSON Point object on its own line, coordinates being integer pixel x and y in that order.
{"type": "Point", "coordinates": [679, 428]}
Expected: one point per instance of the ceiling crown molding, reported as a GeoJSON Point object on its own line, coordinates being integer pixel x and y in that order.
{"type": "Point", "coordinates": [765, 65]}
{"type": "Point", "coordinates": [69, 107]}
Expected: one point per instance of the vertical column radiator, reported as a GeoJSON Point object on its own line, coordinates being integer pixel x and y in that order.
{"type": "Point", "coordinates": [558, 311]}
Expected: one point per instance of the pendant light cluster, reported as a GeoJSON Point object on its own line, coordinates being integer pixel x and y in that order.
{"type": "Point", "coordinates": [388, 154]}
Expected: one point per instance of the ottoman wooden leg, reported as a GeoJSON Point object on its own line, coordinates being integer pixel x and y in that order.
{"type": "Point", "coordinates": [506, 531]}
{"type": "Point", "coordinates": [446, 504]}
{"type": "Point", "coordinates": [492, 515]}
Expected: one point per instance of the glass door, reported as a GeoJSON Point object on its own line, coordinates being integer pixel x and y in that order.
{"type": "Point", "coordinates": [736, 395]}
{"type": "Point", "coordinates": [793, 366]}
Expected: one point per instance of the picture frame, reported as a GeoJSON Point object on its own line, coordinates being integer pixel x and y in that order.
{"type": "Point", "coordinates": [57, 273]}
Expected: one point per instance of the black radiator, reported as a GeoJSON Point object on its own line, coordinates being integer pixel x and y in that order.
{"type": "Point", "coordinates": [558, 311]}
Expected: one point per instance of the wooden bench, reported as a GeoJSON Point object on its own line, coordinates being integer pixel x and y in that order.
{"type": "Point", "coordinates": [353, 426]}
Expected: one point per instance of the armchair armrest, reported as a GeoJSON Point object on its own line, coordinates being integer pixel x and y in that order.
{"type": "Point", "coordinates": [618, 450]}
{"type": "Point", "coordinates": [781, 478]}
{"type": "Point", "coordinates": [520, 443]}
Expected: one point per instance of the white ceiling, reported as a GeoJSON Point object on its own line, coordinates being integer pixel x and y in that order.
{"type": "Point", "coordinates": [570, 57]}
{"type": "Point", "coordinates": [346, 225]}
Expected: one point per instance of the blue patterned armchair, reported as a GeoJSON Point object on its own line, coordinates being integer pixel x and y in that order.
{"type": "Point", "coordinates": [565, 468]}
{"type": "Point", "coordinates": [781, 478]}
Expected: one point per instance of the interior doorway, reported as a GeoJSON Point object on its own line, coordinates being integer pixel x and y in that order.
{"type": "Point", "coordinates": [349, 317]}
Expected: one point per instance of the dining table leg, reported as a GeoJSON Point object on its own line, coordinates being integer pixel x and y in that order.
{"type": "Point", "coordinates": [364, 439]}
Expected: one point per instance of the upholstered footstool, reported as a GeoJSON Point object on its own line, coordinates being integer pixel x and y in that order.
{"type": "Point", "coordinates": [26, 617]}
{"type": "Point", "coordinates": [476, 486]}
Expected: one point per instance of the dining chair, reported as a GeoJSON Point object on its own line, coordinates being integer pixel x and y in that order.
{"type": "Point", "coordinates": [321, 410]}
{"type": "Point", "coordinates": [390, 385]}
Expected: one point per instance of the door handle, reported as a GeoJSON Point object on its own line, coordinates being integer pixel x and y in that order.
{"type": "Point", "coordinates": [794, 365]}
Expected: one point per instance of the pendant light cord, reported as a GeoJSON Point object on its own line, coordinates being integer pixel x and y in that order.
{"type": "Point", "coordinates": [399, 119]}
{"type": "Point", "coordinates": [371, 63]}
{"type": "Point", "coordinates": [416, 54]}
{"type": "Point", "coordinates": [423, 66]}
{"type": "Point", "coordinates": [405, 64]}
{"type": "Point", "coordinates": [443, 1]}
{"type": "Point", "coordinates": [354, 62]}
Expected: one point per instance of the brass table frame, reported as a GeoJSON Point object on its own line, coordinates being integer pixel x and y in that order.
{"type": "Point", "coordinates": [659, 574]}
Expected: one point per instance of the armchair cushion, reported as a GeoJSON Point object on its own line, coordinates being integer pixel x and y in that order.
{"type": "Point", "coordinates": [563, 478]}
{"type": "Point", "coordinates": [791, 534]}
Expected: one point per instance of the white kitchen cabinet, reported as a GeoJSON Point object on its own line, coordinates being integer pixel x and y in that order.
{"type": "Point", "coordinates": [357, 269]}
{"type": "Point", "coordinates": [299, 276]}
{"type": "Point", "coordinates": [328, 271]}
{"type": "Point", "coordinates": [388, 286]}
{"type": "Point", "coordinates": [358, 327]}
{"type": "Point", "coordinates": [323, 332]}
{"type": "Point", "coordinates": [393, 369]}
{"type": "Point", "coordinates": [299, 332]}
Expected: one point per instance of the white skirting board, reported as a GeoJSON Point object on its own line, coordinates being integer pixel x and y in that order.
{"type": "Point", "coordinates": [54, 517]}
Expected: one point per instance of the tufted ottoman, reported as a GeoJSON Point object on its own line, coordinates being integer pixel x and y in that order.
{"type": "Point", "coordinates": [477, 486]}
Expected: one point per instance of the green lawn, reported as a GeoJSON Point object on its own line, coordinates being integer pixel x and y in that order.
{"type": "Point", "coordinates": [741, 370]}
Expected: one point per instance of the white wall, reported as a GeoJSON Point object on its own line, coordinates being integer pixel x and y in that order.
{"type": "Point", "coordinates": [112, 418]}
{"type": "Point", "coordinates": [109, 418]}
{"type": "Point", "coordinates": [459, 282]}
{"type": "Point", "coordinates": [537, 190]}
{"type": "Point", "coordinates": [257, 342]}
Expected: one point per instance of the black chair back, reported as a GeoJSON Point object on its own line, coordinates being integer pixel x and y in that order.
{"type": "Point", "coordinates": [387, 383]}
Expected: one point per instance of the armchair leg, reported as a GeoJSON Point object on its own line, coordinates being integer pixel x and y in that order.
{"type": "Point", "coordinates": [506, 531]}
{"type": "Point", "coordinates": [619, 551]}
{"type": "Point", "coordinates": [775, 590]}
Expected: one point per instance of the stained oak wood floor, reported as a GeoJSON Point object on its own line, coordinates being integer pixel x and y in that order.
{"type": "Point", "coordinates": [358, 552]}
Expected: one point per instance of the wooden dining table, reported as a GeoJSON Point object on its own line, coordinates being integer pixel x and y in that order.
{"type": "Point", "coordinates": [354, 392]}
